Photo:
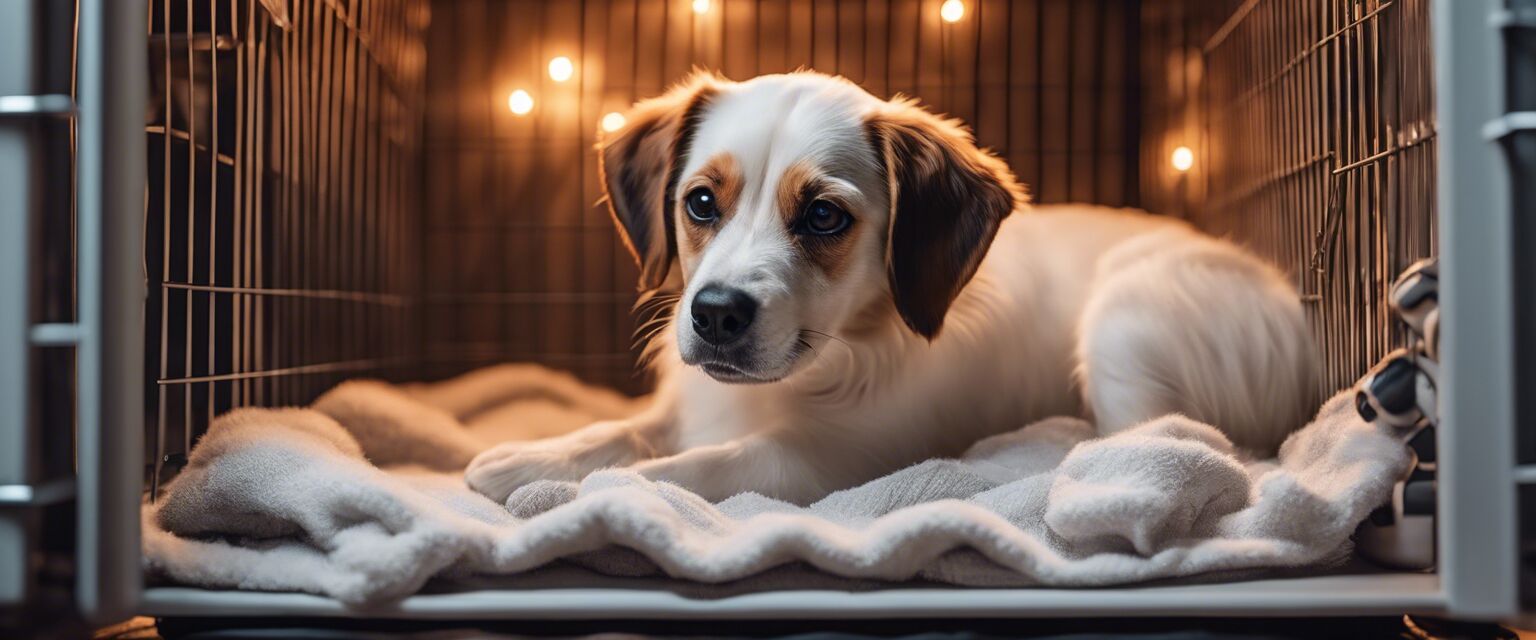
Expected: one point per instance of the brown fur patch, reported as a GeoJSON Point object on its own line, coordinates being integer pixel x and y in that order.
{"type": "Point", "coordinates": [802, 184]}
{"type": "Point", "coordinates": [831, 254]}
{"type": "Point", "coordinates": [797, 187]}
{"type": "Point", "coordinates": [721, 175]}
{"type": "Point", "coordinates": [638, 166]}
{"type": "Point", "coordinates": [947, 200]}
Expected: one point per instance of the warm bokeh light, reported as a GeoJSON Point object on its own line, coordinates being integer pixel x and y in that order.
{"type": "Point", "coordinates": [952, 10]}
{"type": "Point", "coordinates": [520, 102]}
{"type": "Point", "coordinates": [701, 6]}
{"type": "Point", "coordinates": [1183, 159]}
{"type": "Point", "coordinates": [561, 68]}
{"type": "Point", "coordinates": [613, 122]}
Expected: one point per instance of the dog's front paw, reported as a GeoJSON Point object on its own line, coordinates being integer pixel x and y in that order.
{"type": "Point", "coordinates": [499, 471]}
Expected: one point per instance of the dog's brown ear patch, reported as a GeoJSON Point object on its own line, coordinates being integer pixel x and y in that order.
{"type": "Point", "coordinates": [639, 165]}
{"type": "Point", "coordinates": [947, 199]}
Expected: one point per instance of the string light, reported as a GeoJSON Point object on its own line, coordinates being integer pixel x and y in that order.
{"type": "Point", "coordinates": [613, 122]}
{"type": "Point", "coordinates": [520, 102]}
{"type": "Point", "coordinates": [561, 68]}
{"type": "Point", "coordinates": [701, 6]}
{"type": "Point", "coordinates": [1183, 159]}
{"type": "Point", "coordinates": [952, 10]}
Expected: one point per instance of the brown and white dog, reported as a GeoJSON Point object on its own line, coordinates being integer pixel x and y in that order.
{"type": "Point", "coordinates": [858, 287]}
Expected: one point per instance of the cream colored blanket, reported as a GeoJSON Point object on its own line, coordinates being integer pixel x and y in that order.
{"type": "Point", "coordinates": [350, 499]}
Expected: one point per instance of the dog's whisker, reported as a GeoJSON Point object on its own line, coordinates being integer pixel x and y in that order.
{"type": "Point", "coordinates": [659, 314]}
{"type": "Point", "coordinates": [641, 340]}
{"type": "Point", "coordinates": [660, 306]}
{"type": "Point", "coordinates": [828, 336]}
{"type": "Point", "coordinates": [655, 306]}
{"type": "Point", "coordinates": [651, 324]}
{"type": "Point", "coordinates": [651, 328]}
{"type": "Point", "coordinates": [648, 335]}
{"type": "Point", "coordinates": [656, 311]}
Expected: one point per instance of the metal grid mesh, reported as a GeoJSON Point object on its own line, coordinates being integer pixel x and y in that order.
{"type": "Point", "coordinates": [1313, 128]}
{"type": "Point", "coordinates": [280, 242]}
{"type": "Point", "coordinates": [288, 248]}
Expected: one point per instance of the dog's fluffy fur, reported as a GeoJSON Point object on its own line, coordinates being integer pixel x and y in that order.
{"type": "Point", "coordinates": [947, 311]}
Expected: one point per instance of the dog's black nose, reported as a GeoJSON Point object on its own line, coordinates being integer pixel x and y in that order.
{"type": "Point", "coordinates": [722, 314]}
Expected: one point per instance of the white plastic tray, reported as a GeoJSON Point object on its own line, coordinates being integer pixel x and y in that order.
{"type": "Point", "coordinates": [1339, 595]}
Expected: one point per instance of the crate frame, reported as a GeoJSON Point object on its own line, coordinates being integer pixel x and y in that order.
{"type": "Point", "coordinates": [1477, 535]}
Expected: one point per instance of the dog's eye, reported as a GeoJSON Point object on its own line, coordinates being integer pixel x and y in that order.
{"type": "Point", "coordinates": [701, 205]}
{"type": "Point", "coordinates": [823, 218]}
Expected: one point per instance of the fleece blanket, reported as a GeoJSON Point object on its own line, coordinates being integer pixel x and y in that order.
{"type": "Point", "coordinates": [356, 498]}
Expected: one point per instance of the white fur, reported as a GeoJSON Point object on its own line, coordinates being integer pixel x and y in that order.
{"type": "Point", "coordinates": [1076, 310]}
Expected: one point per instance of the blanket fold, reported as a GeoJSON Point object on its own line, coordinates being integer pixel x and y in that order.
{"type": "Point", "coordinates": [343, 501]}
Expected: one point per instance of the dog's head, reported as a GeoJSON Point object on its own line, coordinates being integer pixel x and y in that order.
{"type": "Point", "coordinates": [793, 207]}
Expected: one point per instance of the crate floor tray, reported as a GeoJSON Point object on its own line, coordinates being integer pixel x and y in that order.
{"type": "Point", "coordinates": [1334, 595]}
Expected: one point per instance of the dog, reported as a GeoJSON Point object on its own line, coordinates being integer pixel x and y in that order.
{"type": "Point", "coordinates": [855, 287]}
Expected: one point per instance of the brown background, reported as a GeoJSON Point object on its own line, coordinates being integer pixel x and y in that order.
{"type": "Point", "coordinates": [341, 190]}
{"type": "Point", "coordinates": [522, 264]}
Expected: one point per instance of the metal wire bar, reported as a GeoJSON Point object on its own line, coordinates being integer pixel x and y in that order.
{"type": "Point", "coordinates": [366, 364]}
{"type": "Point", "coordinates": [317, 294]}
{"type": "Point", "coordinates": [553, 297]}
{"type": "Point", "coordinates": [182, 135]}
{"type": "Point", "coordinates": [1382, 155]}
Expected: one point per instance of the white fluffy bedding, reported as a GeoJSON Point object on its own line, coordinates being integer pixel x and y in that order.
{"type": "Point", "coordinates": [357, 498]}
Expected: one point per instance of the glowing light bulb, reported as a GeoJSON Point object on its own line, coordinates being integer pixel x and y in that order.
{"type": "Point", "coordinates": [520, 102]}
{"type": "Point", "coordinates": [1183, 159]}
{"type": "Point", "coordinates": [952, 10]}
{"type": "Point", "coordinates": [613, 122]}
{"type": "Point", "coordinates": [701, 6]}
{"type": "Point", "coordinates": [561, 68]}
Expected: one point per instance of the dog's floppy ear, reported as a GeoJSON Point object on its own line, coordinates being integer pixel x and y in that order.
{"type": "Point", "coordinates": [947, 199]}
{"type": "Point", "coordinates": [639, 165]}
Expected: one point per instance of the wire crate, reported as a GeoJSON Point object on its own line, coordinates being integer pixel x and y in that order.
{"type": "Point", "coordinates": [317, 190]}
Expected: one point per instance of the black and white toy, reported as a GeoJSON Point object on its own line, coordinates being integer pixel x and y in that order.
{"type": "Point", "coordinates": [1400, 392]}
